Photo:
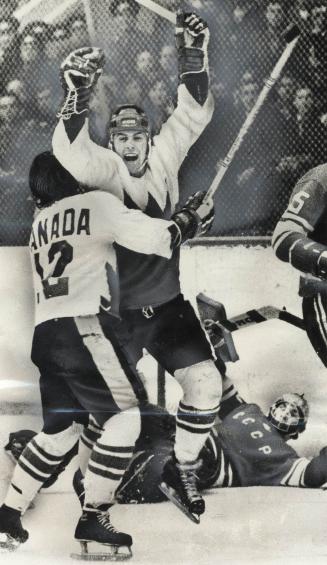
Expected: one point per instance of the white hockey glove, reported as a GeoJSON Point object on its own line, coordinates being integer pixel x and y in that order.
{"type": "Point", "coordinates": [192, 38]}
{"type": "Point", "coordinates": [79, 74]}
{"type": "Point", "coordinates": [195, 218]}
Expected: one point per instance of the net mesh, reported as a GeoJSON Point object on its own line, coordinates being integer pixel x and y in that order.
{"type": "Point", "coordinates": [288, 137]}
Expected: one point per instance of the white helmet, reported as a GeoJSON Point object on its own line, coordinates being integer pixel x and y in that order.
{"type": "Point", "coordinates": [289, 413]}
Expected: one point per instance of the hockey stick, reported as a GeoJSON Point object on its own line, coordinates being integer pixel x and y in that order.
{"type": "Point", "coordinates": [258, 315]}
{"type": "Point", "coordinates": [291, 36]}
{"type": "Point", "coordinates": [159, 10]}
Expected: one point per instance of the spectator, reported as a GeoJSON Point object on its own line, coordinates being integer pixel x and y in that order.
{"type": "Point", "coordinates": [10, 125]}
{"type": "Point", "coordinates": [158, 105]}
{"type": "Point", "coordinates": [9, 50]}
{"type": "Point", "coordinates": [134, 92]}
{"type": "Point", "coordinates": [317, 72]}
{"type": "Point", "coordinates": [58, 45]}
{"type": "Point", "coordinates": [285, 96]}
{"type": "Point", "coordinates": [38, 29]}
{"type": "Point", "coordinates": [311, 135]}
{"type": "Point", "coordinates": [146, 68]}
{"type": "Point", "coordinates": [79, 35]}
{"type": "Point", "coordinates": [168, 66]}
{"type": "Point", "coordinates": [271, 41]}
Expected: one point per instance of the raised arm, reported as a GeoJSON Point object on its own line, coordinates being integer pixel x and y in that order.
{"type": "Point", "coordinates": [89, 163]}
{"type": "Point", "coordinates": [195, 104]}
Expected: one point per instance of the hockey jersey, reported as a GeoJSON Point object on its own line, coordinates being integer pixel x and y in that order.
{"type": "Point", "coordinates": [73, 259]}
{"type": "Point", "coordinates": [305, 216]}
{"type": "Point", "coordinates": [251, 452]}
{"type": "Point", "coordinates": [144, 280]}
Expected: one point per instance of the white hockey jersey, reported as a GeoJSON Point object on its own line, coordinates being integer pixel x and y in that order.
{"type": "Point", "coordinates": [73, 260]}
{"type": "Point", "coordinates": [103, 169]}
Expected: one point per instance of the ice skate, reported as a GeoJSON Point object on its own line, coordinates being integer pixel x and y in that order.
{"type": "Point", "coordinates": [95, 527]}
{"type": "Point", "coordinates": [12, 533]}
{"type": "Point", "coordinates": [180, 486]}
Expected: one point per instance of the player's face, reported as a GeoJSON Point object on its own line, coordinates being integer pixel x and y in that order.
{"type": "Point", "coordinates": [132, 147]}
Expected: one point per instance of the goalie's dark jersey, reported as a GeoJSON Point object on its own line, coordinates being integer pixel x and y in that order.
{"type": "Point", "coordinates": [305, 216]}
{"type": "Point", "coordinates": [254, 453]}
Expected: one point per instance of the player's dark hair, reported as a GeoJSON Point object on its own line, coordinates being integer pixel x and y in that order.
{"type": "Point", "coordinates": [49, 181]}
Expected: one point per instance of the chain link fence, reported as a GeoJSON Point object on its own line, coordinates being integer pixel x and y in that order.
{"type": "Point", "coordinates": [288, 137]}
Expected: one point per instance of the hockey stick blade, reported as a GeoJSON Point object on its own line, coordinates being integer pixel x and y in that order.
{"type": "Point", "coordinates": [172, 496]}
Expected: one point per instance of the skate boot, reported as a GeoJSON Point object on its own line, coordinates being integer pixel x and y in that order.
{"type": "Point", "coordinates": [11, 529]}
{"type": "Point", "coordinates": [78, 486]}
{"type": "Point", "coordinates": [180, 486]}
{"type": "Point", "coordinates": [95, 526]}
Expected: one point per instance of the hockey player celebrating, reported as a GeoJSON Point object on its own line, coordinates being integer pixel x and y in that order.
{"type": "Point", "coordinates": [300, 239]}
{"type": "Point", "coordinates": [81, 364]}
{"type": "Point", "coordinates": [144, 171]}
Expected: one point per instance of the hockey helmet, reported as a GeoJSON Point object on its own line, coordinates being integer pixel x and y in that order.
{"type": "Point", "coordinates": [289, 414]}
{"type": "Point", "coordinates": [129, 117]}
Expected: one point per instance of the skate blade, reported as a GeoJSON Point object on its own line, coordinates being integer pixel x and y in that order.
{"type": "Point", "coordinates": [9, 544]}
{"type": "Point", "coordinates": [114, 553]}
{"type": "Point", "coordinates": [174, 498]}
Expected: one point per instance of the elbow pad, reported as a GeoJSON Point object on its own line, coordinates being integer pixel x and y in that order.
{"type": "Point", "coordinates": [309, 257]}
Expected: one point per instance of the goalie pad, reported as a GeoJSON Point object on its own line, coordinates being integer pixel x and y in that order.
{"type": "Point", "coordinates": [212, 313]}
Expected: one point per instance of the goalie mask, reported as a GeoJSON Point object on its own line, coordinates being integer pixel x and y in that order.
{"type": "Point", "coordinates": [130, 137]}
{"type": "Point", "coordinates": [289, 414]}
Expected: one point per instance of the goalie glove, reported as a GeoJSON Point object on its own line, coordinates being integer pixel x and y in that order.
{"type": "Point", "coordinates": [192, 38]}
{"type": "Point", "coordinates": [195, 218]}
{"type": "Point", "coordinates": [79, 74]}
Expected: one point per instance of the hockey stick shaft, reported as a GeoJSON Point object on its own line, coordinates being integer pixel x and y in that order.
{"type": "Point", "coordinates": [269, 83]}
{"type": "Point", "coordinates": [256, 316]}
{"type": "Point", "coordinates": [159, 10]}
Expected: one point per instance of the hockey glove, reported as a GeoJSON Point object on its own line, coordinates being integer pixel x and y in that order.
{"type": "Point", "coordinates": [192, 38]}
{"type": "Point", "coordinates": [79, 74]}
{"type": "Point", "coordinates": [195, 218]}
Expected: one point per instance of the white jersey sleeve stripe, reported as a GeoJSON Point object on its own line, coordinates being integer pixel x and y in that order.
{"type": "Point", "coordinates": [295, 476]}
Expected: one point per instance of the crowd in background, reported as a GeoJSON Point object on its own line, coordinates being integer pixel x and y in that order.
{"type": "Point", "coordinates": [289, 136]}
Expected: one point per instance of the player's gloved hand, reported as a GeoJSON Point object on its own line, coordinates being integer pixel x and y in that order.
{"type": "Point", "coordinates": [79, 74]}
{"type": "Point", "coordinates": [322, 266]}
{"type": "Point", "coordinates": [192, 38]}
{"type": "Point", "coordinates": [195, 218]}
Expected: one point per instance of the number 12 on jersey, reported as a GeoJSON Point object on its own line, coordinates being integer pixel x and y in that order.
{"type": "Point", "coordinates": [60, 255]}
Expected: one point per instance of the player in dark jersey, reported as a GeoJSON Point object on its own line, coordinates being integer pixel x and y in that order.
{"type": "Point", "coordinates": [300, 238]}
{"type": "Point", "coordinates": [246, 448]}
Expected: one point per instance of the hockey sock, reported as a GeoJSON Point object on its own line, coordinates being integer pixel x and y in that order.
{"type": "Point", "coordinates": [197, 411]}
{"type": "Point", "coordinates": [230, 398]}
{"type": "Point", "coordinates": [90, 435]}
{"type": "Point", "coordinates": [192, 430]}
{"type": "Point", "coordinates": [37, 463]}
{"type": "Point", "coordinates": [110, 457]}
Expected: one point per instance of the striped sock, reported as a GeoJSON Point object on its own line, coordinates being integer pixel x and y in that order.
{"type": "Point", "coordinates": [192, 429]}
{"type": "Point", "coordinates": [33, 468]}
{"type": "Point", "coordinates": [111, 456]}
{"type": "Point", "coordinates": [89, 437]}
{"type": "Point", "coordinates": [105, 471]}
